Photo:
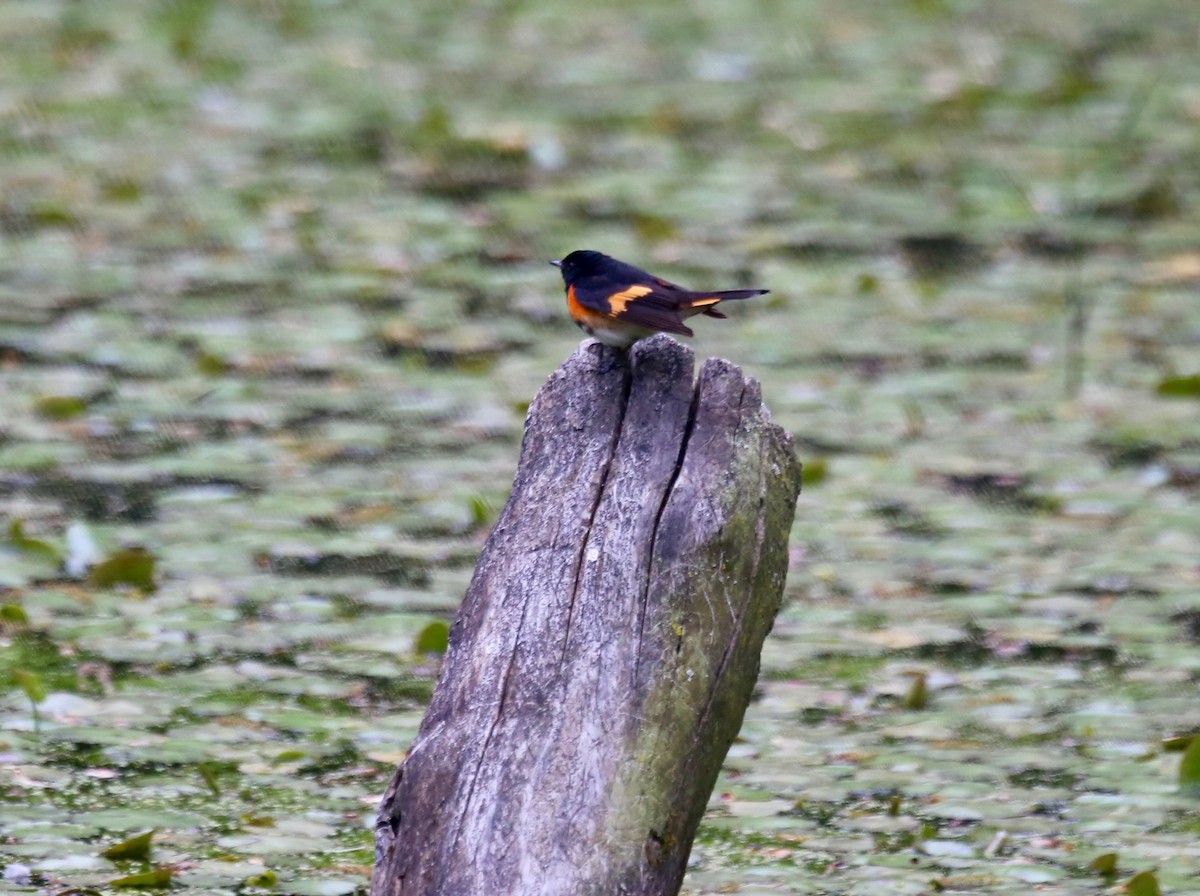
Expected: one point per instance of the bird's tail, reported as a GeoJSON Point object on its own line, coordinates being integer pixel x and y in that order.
{"type": "Point", "coordinates": [737, 294]}
{"type": "Point", "coordinates": [706, 303]}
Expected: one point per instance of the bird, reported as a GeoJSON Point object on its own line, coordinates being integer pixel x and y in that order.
{"type": "Point", "coordinates": [619, 304]}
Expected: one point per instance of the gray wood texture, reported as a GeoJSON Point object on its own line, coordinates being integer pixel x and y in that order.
{"type": "Point", "coordinates": [607, 647]}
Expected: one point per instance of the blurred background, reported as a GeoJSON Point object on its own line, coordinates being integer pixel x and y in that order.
{"type": "Point", "coordinates": [273, 302]}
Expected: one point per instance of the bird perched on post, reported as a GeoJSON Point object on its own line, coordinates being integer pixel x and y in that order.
{"type": "Point", "coordinates": [620, 304]}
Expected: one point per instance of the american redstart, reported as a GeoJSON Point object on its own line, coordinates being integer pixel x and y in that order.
{"type": "Point", "coordinates": [620, 304]}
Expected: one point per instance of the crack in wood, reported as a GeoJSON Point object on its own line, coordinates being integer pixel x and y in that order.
{"type": "Point", "coordinates": [465, 805]}
{"type": "Point", "coordinates": [644, 598]}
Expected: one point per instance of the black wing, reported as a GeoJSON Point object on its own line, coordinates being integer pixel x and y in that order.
{"type": "Point", "coordinates": [643, 304]}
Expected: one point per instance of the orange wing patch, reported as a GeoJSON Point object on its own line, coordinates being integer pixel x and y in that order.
{"type": "Point", "coordinates": [619, 301]}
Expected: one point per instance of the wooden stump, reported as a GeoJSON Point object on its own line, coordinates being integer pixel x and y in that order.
{"type": "Point", "coordinates": [606, 649]}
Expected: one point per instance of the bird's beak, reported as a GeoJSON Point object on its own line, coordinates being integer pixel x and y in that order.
{"type": "Point", "coordinates": [557, 264]}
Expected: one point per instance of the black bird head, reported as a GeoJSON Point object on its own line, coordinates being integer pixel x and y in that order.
{"type": "Point", "coordinates": [582, 263]}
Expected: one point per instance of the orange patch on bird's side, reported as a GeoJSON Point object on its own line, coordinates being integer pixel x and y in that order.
{"type": "Point", "coordinates": [619, 301]}
{"type": "Point", "coordinates": [585, 317]}
{"type": "Point", "coordinates": [577, 310]}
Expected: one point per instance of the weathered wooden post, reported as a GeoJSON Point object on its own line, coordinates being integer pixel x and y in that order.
{"type": "Point", "coordinates": [608, 644]}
